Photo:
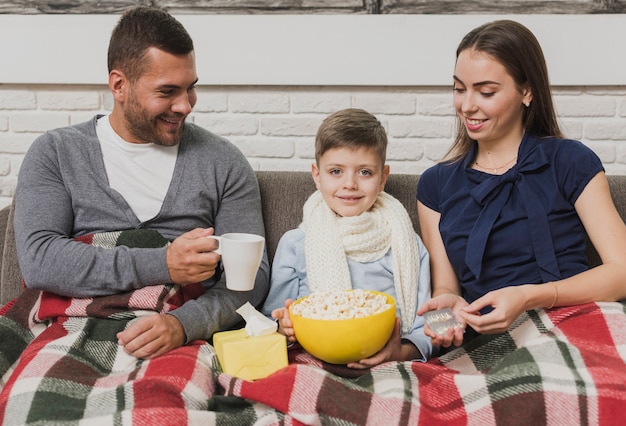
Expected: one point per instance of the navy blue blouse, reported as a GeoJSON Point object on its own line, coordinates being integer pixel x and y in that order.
{"type": "Point", "coordinates": [517, 228]}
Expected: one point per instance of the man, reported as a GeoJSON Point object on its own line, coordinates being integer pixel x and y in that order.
{"type": "Point", "coordinates": [141, 167]}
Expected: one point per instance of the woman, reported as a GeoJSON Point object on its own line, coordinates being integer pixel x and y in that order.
{"type": "Point", "coordinates": [503, 215]}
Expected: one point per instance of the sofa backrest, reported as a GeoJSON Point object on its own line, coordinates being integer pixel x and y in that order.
{"type": "Point", "coordinates": [283, 194]}
{"type": "Point", "coordinates": [10, 275]}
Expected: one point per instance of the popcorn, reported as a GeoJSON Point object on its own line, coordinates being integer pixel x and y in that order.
{"type": "Point", "coordinates": [340, 305]}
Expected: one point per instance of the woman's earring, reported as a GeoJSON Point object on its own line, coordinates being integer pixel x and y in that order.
{"type": "Point", "coordinates": [527, 103]}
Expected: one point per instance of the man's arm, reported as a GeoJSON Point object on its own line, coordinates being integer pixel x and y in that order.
{"type": "Point", "coordinates": [239, 211]}
{"type": "Point", "coordinates": [62, 191]}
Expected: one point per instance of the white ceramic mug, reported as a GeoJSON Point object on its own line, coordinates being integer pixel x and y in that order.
{"type": "Point", "coordinates": [241, 256]}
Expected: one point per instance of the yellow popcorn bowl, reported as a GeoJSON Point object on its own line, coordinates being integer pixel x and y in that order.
{"type": "Point", "coordinates": [345, 340]}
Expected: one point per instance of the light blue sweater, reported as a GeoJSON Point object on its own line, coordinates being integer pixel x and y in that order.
{"type": "Point", "coordinates": [63, 192]}
{"type": "Point", "coordinates": [289, 281]}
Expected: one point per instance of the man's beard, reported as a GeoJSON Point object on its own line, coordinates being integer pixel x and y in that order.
{"type": "Point", "coordinates": [146, 129]}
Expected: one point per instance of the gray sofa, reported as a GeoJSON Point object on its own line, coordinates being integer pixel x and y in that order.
{"type": "Point", "coordinates": [283, 195]}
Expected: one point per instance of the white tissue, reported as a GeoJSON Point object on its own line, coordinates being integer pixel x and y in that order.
{"type": "Point", "coordinates": [257, 324]}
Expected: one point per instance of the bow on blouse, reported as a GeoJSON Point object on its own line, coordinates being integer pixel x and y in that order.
{"type": "Point", "coordinates": [492, 194]}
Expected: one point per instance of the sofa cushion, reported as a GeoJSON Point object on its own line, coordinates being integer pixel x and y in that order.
{"type": "Point", "coordinates": [10, 274]}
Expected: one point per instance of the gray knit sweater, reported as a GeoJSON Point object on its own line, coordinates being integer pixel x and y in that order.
{"type": "Point", "coordinates": [63, 192]}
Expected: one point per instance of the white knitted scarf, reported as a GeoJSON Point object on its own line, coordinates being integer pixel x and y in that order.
{"type": "Point", "coordinates": [364, 238]}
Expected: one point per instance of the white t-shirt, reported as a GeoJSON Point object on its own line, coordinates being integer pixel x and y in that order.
{"type": "Point", "coordinates": [141, 173]}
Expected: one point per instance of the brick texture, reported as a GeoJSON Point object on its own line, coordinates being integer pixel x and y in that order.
{"type": "Point", "coordinates": [275, 127]}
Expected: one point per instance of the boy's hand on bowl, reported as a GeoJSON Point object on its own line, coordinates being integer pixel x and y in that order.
{"type": "Point", "coordinates": [285, 326]}
{"type": "Point", "coordinates": [392, 351]}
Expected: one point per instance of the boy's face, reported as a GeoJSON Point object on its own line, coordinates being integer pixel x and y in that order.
{"type": "Point", "coordinates": [350, 179]}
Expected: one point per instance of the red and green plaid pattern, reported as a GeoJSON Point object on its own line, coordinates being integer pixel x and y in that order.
{"type": "Point", "coordinates": [60, 364]}
{"type": "Point", "coordinates": [565, 366]}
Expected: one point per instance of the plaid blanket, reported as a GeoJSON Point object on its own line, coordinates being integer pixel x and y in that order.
{"type": "Point", "coordinates": [565, 366]}
{"type": "Point", "coordinates": [60, 364]}
{"type": "Point", "coordinates": [60, 361]}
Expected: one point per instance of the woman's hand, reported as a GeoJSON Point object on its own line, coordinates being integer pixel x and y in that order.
{"type": "Point", "coordinates": [285, 326]}
{"type": "Point", "coordinates": [508, 303]}
{"type": "Point", "coordinates": [453, 336]}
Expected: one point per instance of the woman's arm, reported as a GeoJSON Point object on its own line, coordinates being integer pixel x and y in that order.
{"type": "Point", "coordinates": [607, 232]}
{"type": "Point", "coordinates": [444, 280]}
{"type": "Point", "coordinates": [606, 282]}
{"type": "Point", "coordinates": [446, 292]}
{"type": "Point", "coordinates": [606, 229]}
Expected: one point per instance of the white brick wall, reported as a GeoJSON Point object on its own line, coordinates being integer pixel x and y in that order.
{"type": "Point", "coordinates": [275, 126]}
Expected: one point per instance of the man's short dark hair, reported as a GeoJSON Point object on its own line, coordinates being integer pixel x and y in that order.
{"type": "Point", "coordinates": [139, 29]}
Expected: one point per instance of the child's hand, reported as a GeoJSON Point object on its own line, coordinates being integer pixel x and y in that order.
{"type": "Point", "coordinates": [285, 326]}
{"type": "Point", "coordinates": [393, 350]}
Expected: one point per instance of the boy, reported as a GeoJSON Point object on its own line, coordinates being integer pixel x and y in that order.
{"type": "Point", "coordinates": [354, 235]}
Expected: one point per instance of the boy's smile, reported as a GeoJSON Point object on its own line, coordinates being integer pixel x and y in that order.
{"type": "Point", "coordinates": [350, 179]}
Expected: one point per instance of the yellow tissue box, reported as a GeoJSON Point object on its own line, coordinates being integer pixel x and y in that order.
{"type": "Point", "coordinates": [250, 358]}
